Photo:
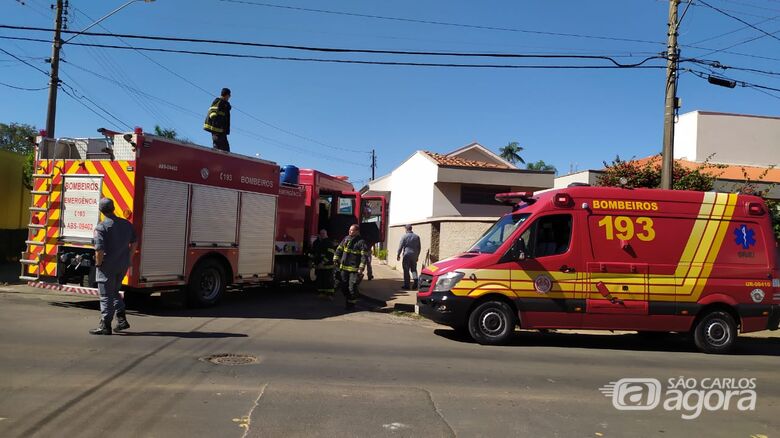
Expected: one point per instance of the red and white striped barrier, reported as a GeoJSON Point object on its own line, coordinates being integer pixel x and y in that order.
{"type": "Point", "coordinates": [68, 288]}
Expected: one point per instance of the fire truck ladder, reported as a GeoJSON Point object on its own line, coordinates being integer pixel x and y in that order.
{"type": "Point", "coordinates": [33, 227]}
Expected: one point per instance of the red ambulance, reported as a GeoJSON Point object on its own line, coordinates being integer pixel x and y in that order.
{"type": "Point", "coordinates": [616, 259]}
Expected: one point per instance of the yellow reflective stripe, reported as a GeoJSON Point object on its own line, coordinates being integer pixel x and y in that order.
{"type": "Point", "coordinates": [212, 128]}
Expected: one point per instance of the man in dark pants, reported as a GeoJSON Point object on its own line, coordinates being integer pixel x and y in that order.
{"type": "Point", "coordinates": [322, 253]}
{"type": "Point", "coordinates": [409, 248]}
{"type": "Point", "coordinates": [218, 121]}
{"type": "Point", "coordinates": [114, 243]}
{"type": "Point", "coordinates": [350, 259]}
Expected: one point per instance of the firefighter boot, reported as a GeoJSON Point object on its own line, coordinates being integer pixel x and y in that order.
{"type": "Point", "coordinates": [103, 328]}
{"type": "Point", "coordinates": [414, 284]}
{"type": "Point", "coordinates": [121, 322]}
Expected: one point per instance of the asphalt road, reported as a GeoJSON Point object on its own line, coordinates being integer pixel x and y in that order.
{"type": "Point", "coordinates": [321, 372]}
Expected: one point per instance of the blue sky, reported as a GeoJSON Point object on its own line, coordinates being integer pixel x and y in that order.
{"type": "Point", "coordinates": [315, 114]}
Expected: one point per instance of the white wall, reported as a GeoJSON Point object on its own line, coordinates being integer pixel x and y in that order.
{"type": "Point", "coordinates": [412, 190]}
{"type": "Point", "coordinates": [586, 176]}
{"type": "Point", "coordinates": [734, 139]}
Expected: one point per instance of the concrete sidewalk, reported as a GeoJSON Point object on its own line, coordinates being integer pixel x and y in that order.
{"type": "Point", "coordinates": [385, 289]}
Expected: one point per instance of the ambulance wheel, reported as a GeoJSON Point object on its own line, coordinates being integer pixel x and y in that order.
{"type": "Point", "coordinates": [207, 284]}
{"type": "Point", "coordinates": [715, 332]}
{"type": "Point", "coordinates": [492, 323]}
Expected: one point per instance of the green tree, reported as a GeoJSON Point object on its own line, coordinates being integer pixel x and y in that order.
{"type": "Point", "coordinates": [648, 174]}
{"type": "Point", "coordinates": [541, 165]}
{"type": "Point", "coordinates": [511, 152]}
{"type": "Point", "coordinates": [163, 132]}
{"type": "Point", "coordinates": [20, 138]}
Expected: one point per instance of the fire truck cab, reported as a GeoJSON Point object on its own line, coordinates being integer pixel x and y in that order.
{"type": "Point", "coordinates": [614, 259]}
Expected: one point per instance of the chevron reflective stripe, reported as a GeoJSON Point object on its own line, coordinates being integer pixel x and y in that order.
{"type": "Point", "coordinates": [118, 184]}
{"type": "Point", "coordinates": [68, 288]}
{"type": "Point", "coordinates": [686, 284]}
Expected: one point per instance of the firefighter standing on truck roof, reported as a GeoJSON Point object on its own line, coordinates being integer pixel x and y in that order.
{"type": "Point", "coordinates": [218, 121]}
{"type": "Point", "coordinates": [114, 244]}
{"type": "Point", "coordinates": [323, 252]}
{"type": "Point", "coordinates": [351, 259]}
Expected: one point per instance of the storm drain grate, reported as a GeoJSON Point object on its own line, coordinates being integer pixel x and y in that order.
{"type": "Point", "coordinates": [230, 359]}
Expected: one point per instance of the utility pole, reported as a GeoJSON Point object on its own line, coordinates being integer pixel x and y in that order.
{"type": "Point", "coordinates": [54, 83]}
{"type": "Point", "coordinates": [670, 107]}
{"type": "Point", "coordinates": [373, 164]}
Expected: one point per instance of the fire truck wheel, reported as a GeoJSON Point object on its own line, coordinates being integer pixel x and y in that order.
{"type": "Point", "coordinates": [715, 332]}
{"type": "Point", "coordinates": [492, 323]}
{"type": "Point", "coordinates": [207, 283]}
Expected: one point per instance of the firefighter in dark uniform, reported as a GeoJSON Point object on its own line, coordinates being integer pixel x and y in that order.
{"type": "Point", "coordinates": [218, 121]}
{"type": "Point", "coordinates": [351, 259]}
{"type": "Point", "coordinates": [322, 253]}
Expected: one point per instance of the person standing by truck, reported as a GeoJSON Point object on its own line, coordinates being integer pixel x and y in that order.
{"type": "Point", "coordinates": [409, 248]}
{"type": "Point", "coordinates": [350, 259]}
{"type": "Point", "coordinates": [114, 244]}
{"type": "Point", "coordinates": [323, 251]}
{"type": "Point", "coordinates": [218, 121]}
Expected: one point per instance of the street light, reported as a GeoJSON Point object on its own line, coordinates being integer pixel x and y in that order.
{"type": "Point", "coordinates": [106, 16]}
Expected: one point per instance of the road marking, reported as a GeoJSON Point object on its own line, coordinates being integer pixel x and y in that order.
{"type": "Point", "coordinates": [395, 426]}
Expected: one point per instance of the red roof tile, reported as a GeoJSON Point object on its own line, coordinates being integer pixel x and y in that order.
{"type": "Point", "coordinates": [726, 171]}
{"type": "Point", "coordinates": [446, 160]}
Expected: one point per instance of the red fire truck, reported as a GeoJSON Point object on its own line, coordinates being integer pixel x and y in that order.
{"type": "Point", "coordinates": [608, 258]}
{"type": "Point", "coordinates": [205, 219]}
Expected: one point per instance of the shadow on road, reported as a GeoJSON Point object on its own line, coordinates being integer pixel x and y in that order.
{"type": "Point", "coordinates": [677, 343]}
{"type": "Point", "coordinates": [284, 302]}
{"type": "Point", "coordinates": [186, 335]}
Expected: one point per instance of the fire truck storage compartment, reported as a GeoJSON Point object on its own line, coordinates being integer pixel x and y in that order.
{"type": "Point", "coordinates": [164, 230]}
{"type": "Point", "coordinates": [214, 215]}
{"type": "Point", "coordinates": [256, 235]}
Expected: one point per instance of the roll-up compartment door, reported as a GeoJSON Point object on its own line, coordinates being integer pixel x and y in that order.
{"type": "Point", "coordinates": [164, 231]}
{"type": "Point", "coordinates": [256, 235]}
{"type": "Point", "coordinates": [214, 214]}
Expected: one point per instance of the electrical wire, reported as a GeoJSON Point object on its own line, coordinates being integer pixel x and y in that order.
{"type": "Point", "coordinates": [22, 60]}
{"type": "Point", "coordinates": [269, 140]}
{"type": "Point", "coordinates": [75, 95]}
{"type": "Point", "coordinates": [745, 84]}
{"type": "Point", "coordinates": [442, 23]}
{"type": "Point", "coordinates": [616, 65]}
{"type": "Point", "coordinates": [738, 19]}
{"type": "Point", "coordinates": [91, 109]}
{"type": "Point", "coordinates": [331, 49]}
{"type": "Point", "coordinates": [23, 88]}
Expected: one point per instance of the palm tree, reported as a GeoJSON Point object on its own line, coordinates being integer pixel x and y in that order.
{"type": "Point", "coordinates": [511, 152]}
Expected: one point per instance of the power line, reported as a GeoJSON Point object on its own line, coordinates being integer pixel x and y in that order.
{"type": "Point", "coordinates": [736, 30]}
{"type": "Point", "coordinates": [616, 65]}
{"type": "Point", "coordinates": [442, 23]}
{"type": "Point", "coordinates": [332, 49]}
{"type": "Point", "coordinates": [90, 109]}
{"type": "Point", "coordinates": [84, 97]}
{"type": "Point", "coordinates": [738, 19]}
{"type": "Point", "coordinates": [22, 60]}
{"type": "Point", "coordinates": [272, 141]}
{"type": "Point", "coordinates": [745, 84]}
{"type": "Point", "coordinates": [23, 88]}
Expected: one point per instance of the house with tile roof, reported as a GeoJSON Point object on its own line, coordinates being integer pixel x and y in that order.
{"type": "Point", "coordinates": [747, 148]}
{"type": "Point", "coordinates": [449, 198]}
